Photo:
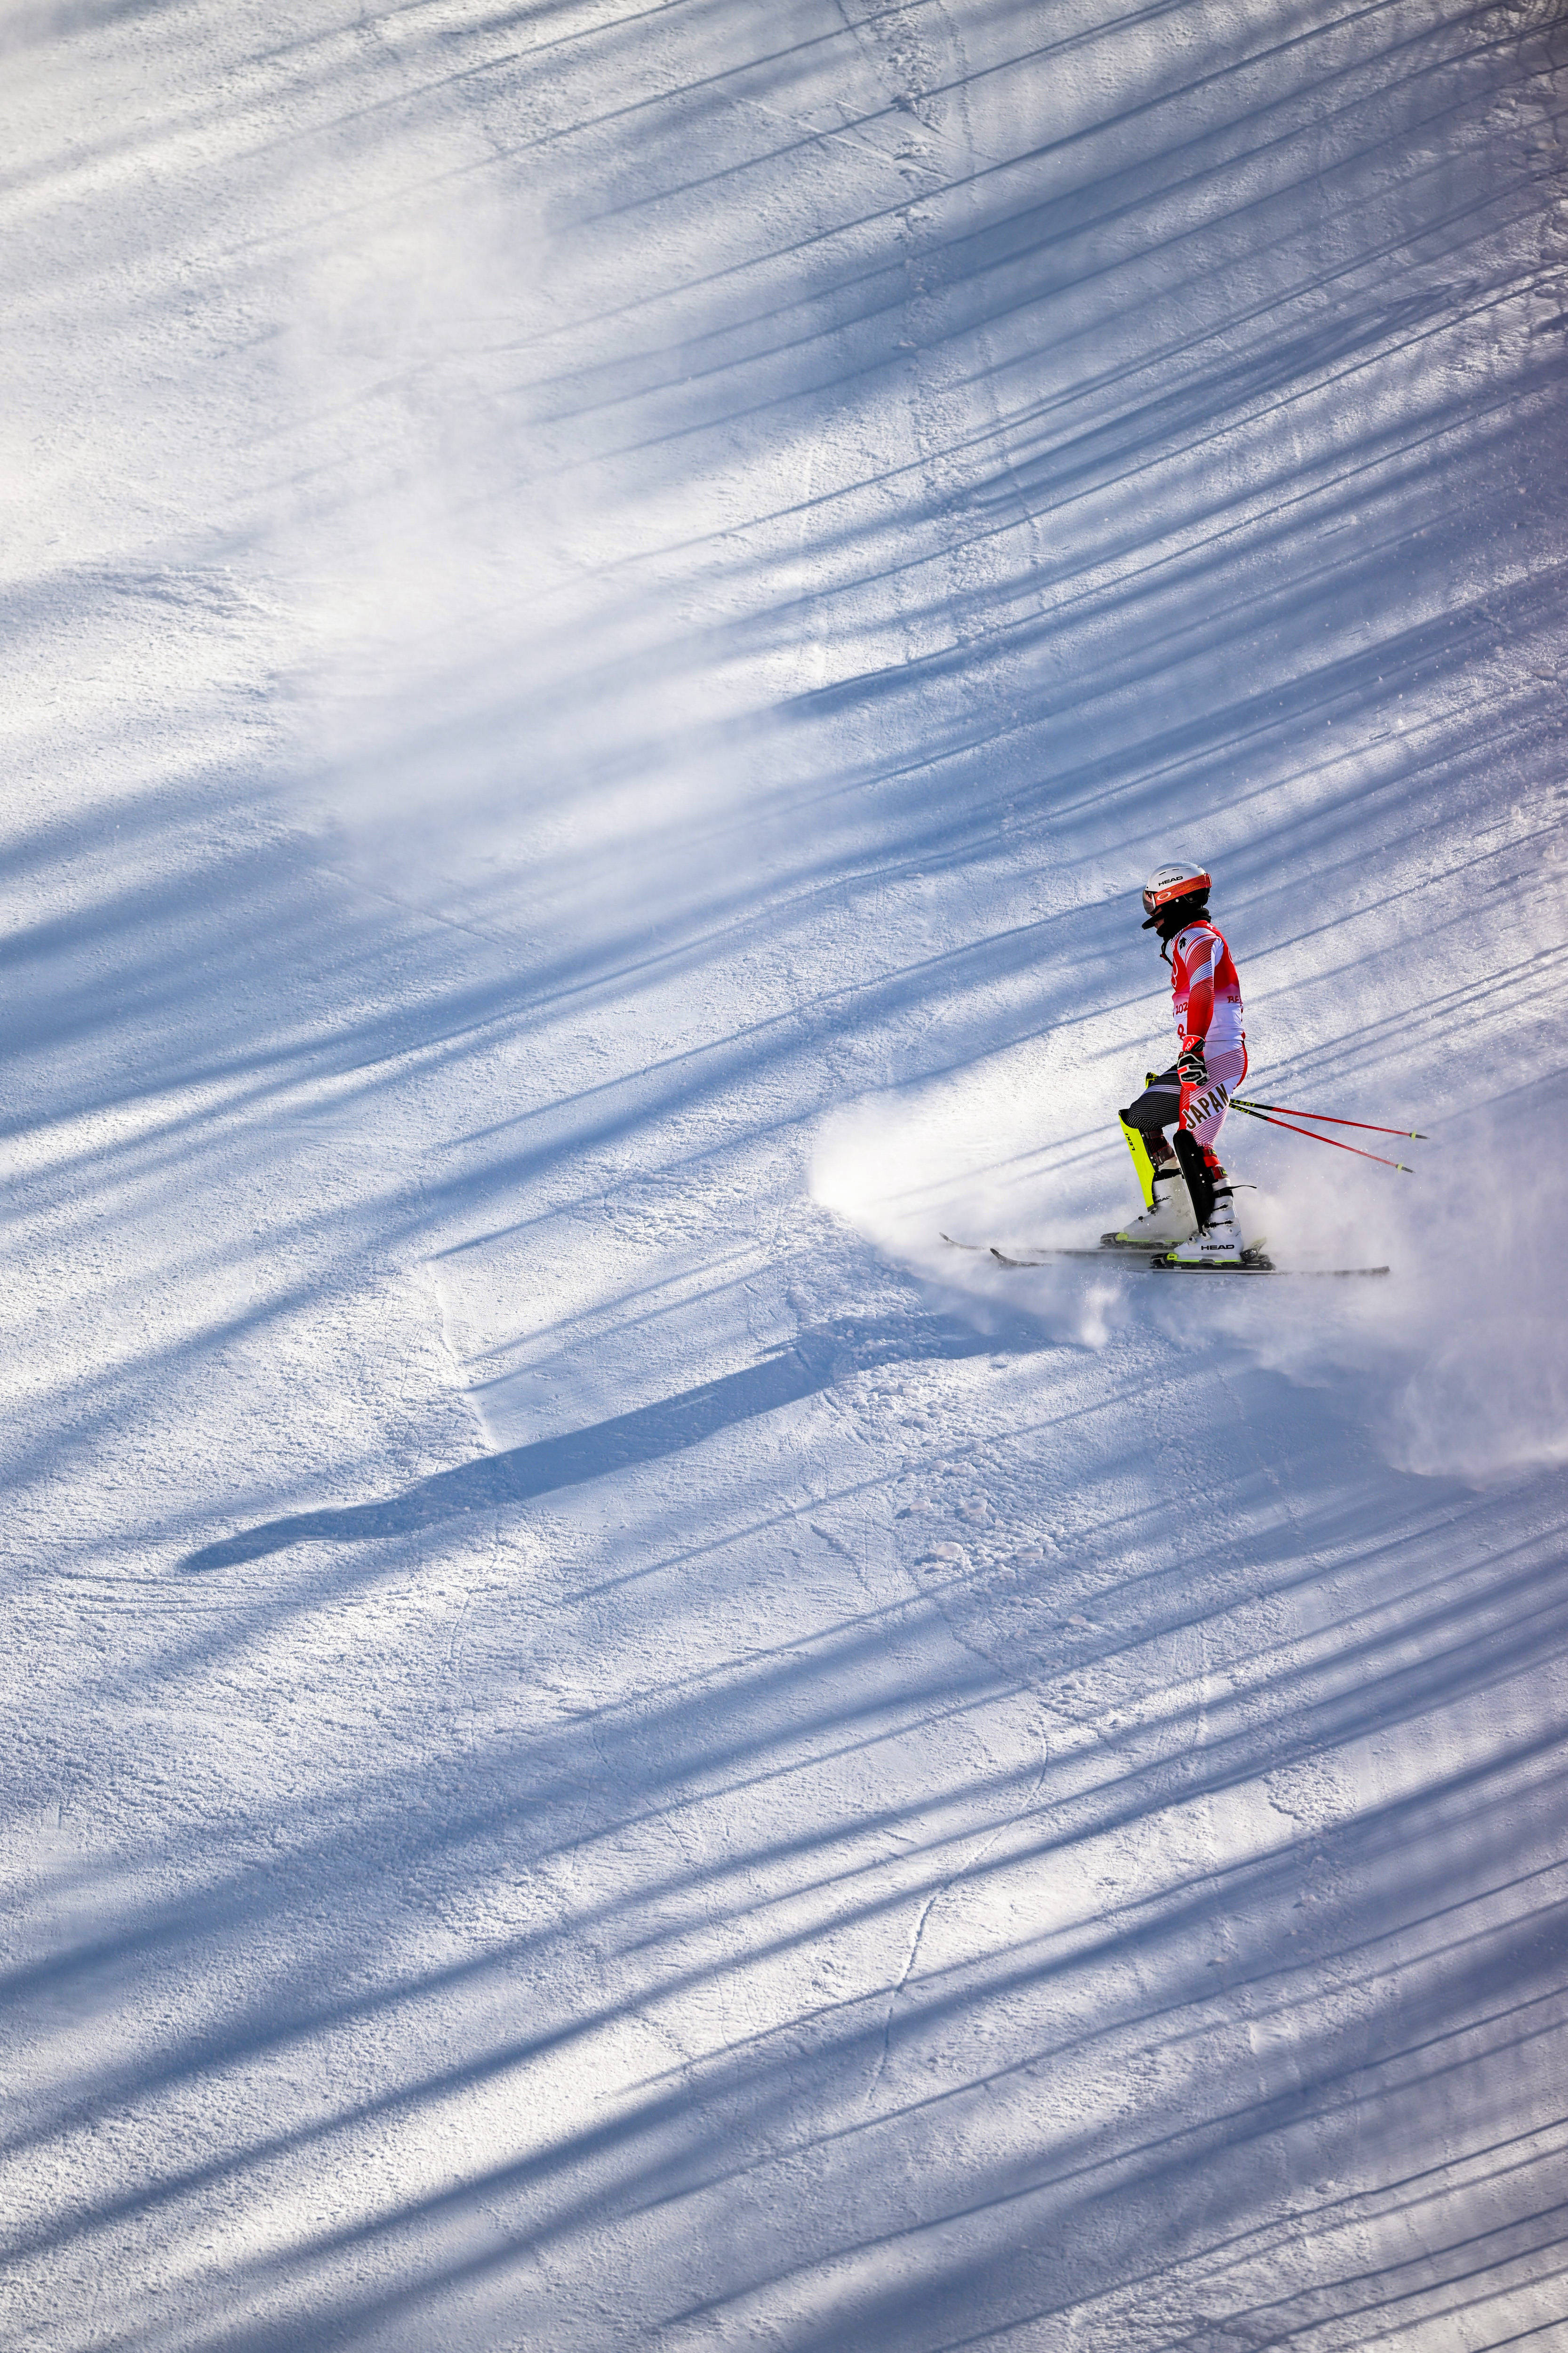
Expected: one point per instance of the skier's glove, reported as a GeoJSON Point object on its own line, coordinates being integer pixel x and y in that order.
{"type": "Point", "coordinates": [1191, 1068]}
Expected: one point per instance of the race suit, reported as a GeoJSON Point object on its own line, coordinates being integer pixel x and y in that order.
{"type": "Point", "coordinates": [1206, 1002]}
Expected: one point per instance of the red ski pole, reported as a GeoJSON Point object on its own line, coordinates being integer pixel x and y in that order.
{"type": "Point", "coordinates": [1331, 1119]}
{"type": "Point", "coordinates": [1253, 1112]}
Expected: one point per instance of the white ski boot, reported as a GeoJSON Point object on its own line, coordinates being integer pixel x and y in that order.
{"type": "Point", "coordinates": [1219, 1243]}
{"type": "Point", "coordinates": [1168, 1219]}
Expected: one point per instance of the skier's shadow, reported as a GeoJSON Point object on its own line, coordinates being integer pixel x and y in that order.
{"type": "Point", "coordinates": [823, 1354]}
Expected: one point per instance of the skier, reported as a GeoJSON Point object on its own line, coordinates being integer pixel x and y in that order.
{"type": "Point", "coordinates": [1190, 1212]}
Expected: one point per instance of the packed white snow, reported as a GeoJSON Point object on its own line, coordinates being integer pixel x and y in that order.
{"type": "Point", "coordinates": [610, 1742]}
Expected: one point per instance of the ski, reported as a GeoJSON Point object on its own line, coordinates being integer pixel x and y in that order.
{"type": "Point", "coordinates": [1261, 1265]}
{"type": "Point", "coordinates": [1105, 1249]}
{"type": "Point", "coordinates": [1160, 1262]}
{"type": "Point", "coordinates": [1252, 1263]}
{"type": "Point", "coordinates": [1002, 1258]}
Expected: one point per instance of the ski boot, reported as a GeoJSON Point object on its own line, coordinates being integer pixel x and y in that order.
{"type": "Point", "coordinates": [1219, 1242]}
{"type": "Point", "coordinates": [1167, 1219]}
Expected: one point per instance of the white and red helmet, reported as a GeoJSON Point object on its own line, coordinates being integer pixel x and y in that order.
{"type": "Point", "coordinates": [1183, 879]}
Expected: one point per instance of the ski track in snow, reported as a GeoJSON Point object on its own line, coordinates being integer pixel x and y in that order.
{"type": "Point", "coordinates": [608, 1744]}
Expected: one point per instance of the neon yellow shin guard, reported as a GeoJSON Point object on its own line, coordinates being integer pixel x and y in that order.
{"type": "Point", "coordinates": [1141, 1161]}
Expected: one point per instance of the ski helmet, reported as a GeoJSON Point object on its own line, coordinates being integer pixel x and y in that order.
{"type": "Point", "coordinates": [1183, 879]}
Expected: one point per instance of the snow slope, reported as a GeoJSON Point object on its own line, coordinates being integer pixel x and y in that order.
{"type": "Point", "coordinates": [608, 1743]}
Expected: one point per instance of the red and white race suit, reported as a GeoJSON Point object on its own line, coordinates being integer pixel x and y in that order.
{"type": "Point", "coordinates": [1205, 1000]}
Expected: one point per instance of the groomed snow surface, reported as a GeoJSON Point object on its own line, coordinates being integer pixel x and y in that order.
{"type": "Point", "coordinates": [608, 1744]}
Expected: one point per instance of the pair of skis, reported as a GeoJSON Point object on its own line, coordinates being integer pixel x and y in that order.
{"type": "Point", "coordinates": [1252, 1261]}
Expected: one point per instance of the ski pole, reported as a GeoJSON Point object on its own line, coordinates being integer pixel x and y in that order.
{"type": "Point", "coordinates": [1253, 1113]}
{"type": "Point", "coordinates": [1331, 1119]}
